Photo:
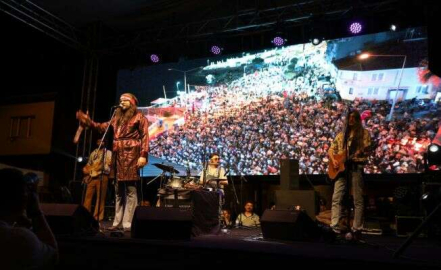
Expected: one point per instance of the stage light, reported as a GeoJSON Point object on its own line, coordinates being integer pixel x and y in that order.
{"type": "Point", "coordinates": [355, 28]}
{"type": "Point", "coordinates": [434, 157]}
{"type": "Point", "coordinates": [80, 159]}
{"type": "Point", "coordinates": [215, 49]}
{"type": "Point", "coordinates": [316, 41]}
{"type": "Point", "coordinates": [154, 58]}
{"type": "Point", "coordinates": [278, 41]}
{"type": "Point", "coordinates": [364, 56]}
{"type": "Point", "coordinates": [431, 197]}
{"type": "Point", "coordinates": [393, 27]}
{"type": "Point", "coordinates": [427, 201]}
{"type": "Point", "coordinates": [433, 148]}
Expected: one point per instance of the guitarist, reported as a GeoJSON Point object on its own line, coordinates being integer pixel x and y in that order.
{"type": "Point", "coordinates": [349, 150]}
{"type": "Point", "coordinates": [96, 179]}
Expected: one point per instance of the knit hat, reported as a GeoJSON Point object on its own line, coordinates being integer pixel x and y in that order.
{"type": "Point", "coordinates": [130, 97]}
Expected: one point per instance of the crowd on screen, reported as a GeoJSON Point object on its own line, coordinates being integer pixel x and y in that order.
{"type": "Point", "coordinates": [266, 115]}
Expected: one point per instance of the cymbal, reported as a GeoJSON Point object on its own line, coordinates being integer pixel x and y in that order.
{"type": "Point", "coordinates": [165, 168]}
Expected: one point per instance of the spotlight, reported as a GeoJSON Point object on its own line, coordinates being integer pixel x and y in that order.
{"type": "Point", "coordinates": [364, 56]}
{"type": "Point", "coordinates": [80, 159]}
{"type": "Point", "coordinates": [278, 41]}
{"type": "Point", "coordinates": [216, 50]}
{"type": "Point", "coordinates": [393, 27]}
{"type": "Point", "coordinates": [434, 157]}
{"type": "Point", "coordinates": [355, 28]}
{"type": "Point", "coordinates": [316, 41]}
{"type": "Point", "coordinates": [431, 197]}
{"type": "Point", "coordinates": [427, 201]}
{"type": "Point", "coordinates": [433, 148]}
{"type": "Point", "coordinates": [154, 58]}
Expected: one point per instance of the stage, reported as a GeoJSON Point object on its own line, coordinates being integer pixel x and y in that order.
{"type": "Point", "coordinates": [242, 248]}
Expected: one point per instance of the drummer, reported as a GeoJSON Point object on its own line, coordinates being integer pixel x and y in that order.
{"type": "Point", "coordinates": [212, 173]}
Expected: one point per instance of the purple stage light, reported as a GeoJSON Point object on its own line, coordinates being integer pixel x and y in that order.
{"type": "Point", "coordinates": [215, 49]}
{"type": "Point", "coordinates": [355, 28]}
{"type": "Point", "coordinates": [154, 58]}
{"type": "Point", "coordinates": [278, 41]}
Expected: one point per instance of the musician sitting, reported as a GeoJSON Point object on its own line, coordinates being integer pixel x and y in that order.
{"type": "Point", "coordinates": [211, 175]}
{"type": "Point", "coordinates": [226, 220]}
{"type": "Point", "coordinates": [248, 218]}
{"type": "Point", "coordinates": [349, 152]}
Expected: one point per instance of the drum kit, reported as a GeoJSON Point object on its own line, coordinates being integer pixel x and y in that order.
{"type": "Point", "coordinates": [175, 182]}
{"type": "Point", "coordinates": [175, 191]}
{"type": "Point", "coordinates": [172, 185]}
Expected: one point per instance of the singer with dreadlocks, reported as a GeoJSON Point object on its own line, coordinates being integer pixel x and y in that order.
{"type": "Point", "coordinates": [130, 148]}
{"type": "Point", "coordinates": [349, 152]}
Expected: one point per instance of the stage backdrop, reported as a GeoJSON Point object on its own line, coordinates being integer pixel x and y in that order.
{"type": "Point", "coordinates": [289, 102]}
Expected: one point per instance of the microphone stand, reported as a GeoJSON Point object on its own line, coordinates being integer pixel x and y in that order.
{"type": "Point", "coordinates": [204, 165]}
{"type": "Point", "coordinates": [234, 190]}
{"type": "Point", "coordinates": [242, 178]}
{"type": "Point", "coordinates": [103, 160]}
{"type": "Point", "coordinates": [233, 186]}
{"type": "Point", "coordinates": [161, 175]}
{"type": "Point", "coordinates": [188, 173]}
{"type": "Point", "coordinates": [204, 172]}
{"type": "Point", "coordinates": [204, 162]}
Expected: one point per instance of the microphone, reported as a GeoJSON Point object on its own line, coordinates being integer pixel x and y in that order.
{"type": "Point", "coordinates": [116, 106]}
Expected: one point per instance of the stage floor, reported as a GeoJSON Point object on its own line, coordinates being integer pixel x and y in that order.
{"type": "Point", "coordinates": [243, 248]}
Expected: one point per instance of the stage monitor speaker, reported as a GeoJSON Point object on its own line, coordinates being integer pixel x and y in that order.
{"type": "Point", "coordinates": [289, 174]}
{"type": "Point", "coordinates": [69, 219]}
{"type": "Point", "coordinates": [307, 200]}
{"type": "Point", "coordinates": [161, 223]}
{"type": "Point", "coordinates": [288, 225]}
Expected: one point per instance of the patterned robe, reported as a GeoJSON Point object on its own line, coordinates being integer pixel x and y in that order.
{"type": "Point", "coordinates": [130, 141]}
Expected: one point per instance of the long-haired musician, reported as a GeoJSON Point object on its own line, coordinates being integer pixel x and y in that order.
{"type": "Point", "coordinates": [130, 148]}
{"type": "Point", "coordinates": [347, 155]}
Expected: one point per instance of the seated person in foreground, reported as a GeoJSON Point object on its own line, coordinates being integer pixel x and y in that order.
{"type": "Point", "coordinates": [248, 218]}
{"type": "Point", "coordinates": [226, 221]}
{"type": "Point", "coordinates": [26, 241]}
